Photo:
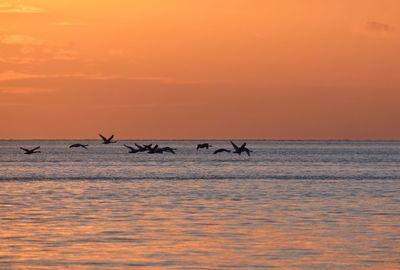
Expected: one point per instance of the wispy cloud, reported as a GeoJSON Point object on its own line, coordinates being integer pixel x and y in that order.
{"type": "Point", "coordinates": [14, 76]}
{"type": "Point", "coordinates": [378, 27]}
{"type": "Point", "coordinates": [22, 49]}
{"type": "Point", "coordinates": [69, 23]}
{"type": "Point", "coordinates": [36, 50]}
{"type": "Point", "coordinates": [17, 7]}
{"type": "Point", "coordinates": [65, 54]}
{"type": "Point", "coordinates": [374, 29]}
{"type": "Point", "coordinates": [21, 40]}
{"type": "Point", "coordinates": [22, 90]}
{"type": "Point", "coordinates": [16, 83]}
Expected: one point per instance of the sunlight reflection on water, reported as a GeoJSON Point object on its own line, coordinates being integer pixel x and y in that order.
{"type": "Point", "coordinates": [196, 224]}
{"type": "Point", "coordinates": [292, 205]}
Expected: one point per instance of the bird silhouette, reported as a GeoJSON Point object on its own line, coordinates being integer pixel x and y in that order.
{"type": "Point", "coordinates": [168, 149]}
{"type": "Point", "coordinates": [203, 145]}
{"type": "Point", "coordinates": [147, 146]}
{"type": "Point", "coordinates": [241, 149]}
{"type": "Point", "coordinates": [76, 145]}
{"type": "Point", "coordinates": [155, 150]}
{"type": "Point", "coordinates": [132, 150]}
{"type": "Point", "coordinates": [107, 140]}
{"type": "Point", "coordinates": [248, 151]}
{"type": "Point", "coordinates": [143, 148]}
{"type": "Point", "coordinates": [221, 150]}
{"type": "Point", "coordinates": [30, 151]}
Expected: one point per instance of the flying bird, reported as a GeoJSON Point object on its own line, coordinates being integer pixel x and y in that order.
{"type": "Point", "coordinates": [155, 150]}
{"type": "Point", "coordinates": [203, 145]}
{"type": "Point", "coordinates": [147, 146]}
{"type": "Point", "coordinates": [241, 149]}
{"type": "Point", "coordinates": [221, 150]}
{"type": "Point", "coordinates": [248, 151]}
{"type": "Point", "coordinates": [131, 149]}
{"type": "Point", "coordinates": [107, 140]}
{"type": "Point", "coordinates": [168, 149]}
{"type": "Point", "coordinates": [76, 145]}
{"type": "Point", "coordinates": [143, 148]}
{"type": "Point", "coordinates": [30, 151]}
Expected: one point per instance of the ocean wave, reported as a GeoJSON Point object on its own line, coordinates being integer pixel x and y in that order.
{"type": "Point", "coordinates": [209, 178]}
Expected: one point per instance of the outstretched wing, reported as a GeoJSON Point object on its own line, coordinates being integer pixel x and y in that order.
{"type": "Point", "coordinates": [235, 146]}
{"type": "Point", "coordinates": [139, 146]}
{"type": "Point", "coordinates": [111, 137]}
{"type": "Point", "coordinates": [104, 138]}
{"type": "Point", "coordinates": [26, 150]}
{"type": "Point", "coordinates": [243, 146]}
{"type": "Point", "coordinates": [129, 147]}
{"type": "Point", "coordinates": [36, 148]}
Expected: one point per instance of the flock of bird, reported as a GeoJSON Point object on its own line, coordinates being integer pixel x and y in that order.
{"type": "Point", "coordinates": [236, 149]}
{"type": "Point", "coordinates": [150, 149]}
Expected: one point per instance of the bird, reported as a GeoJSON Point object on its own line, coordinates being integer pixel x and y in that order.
{"type": "Point", "coordinates": [203, 145]}
{"type": "Point", "coordinates": [221, 150]}
{"type": "Point", "coordinates": [147, 146]}
{"type": "Point", "coordinates": [248, 151]}
{"type": "Point", "coordinates": [30, 151]}
{"type": "Point", "coordinates": [107, 141]}
{"type": "Point", "coordinates": [143, 148]}
{"type": "Point", "coordinates": [155, 150]}
{"type": "Point", "coordinates": [241, 149]}
{"type": "Point", "coordinates": [131, 149]}
{"type": "Point", "coordinates": [79, 145]}
{"type": "Point", "coordinates": [168, 149]}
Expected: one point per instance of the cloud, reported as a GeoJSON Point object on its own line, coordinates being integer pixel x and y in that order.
{"type": "Point", "coordinates": [22, 90]}
{"type": "Point", "coordinates": [19, 76]}
{"type": "Point", "coordinates": [14, 82]}
{"type": "Point", "coordinates": [377, 27]}
{"type": "Point", "coordinates": [373, 30]}
{"type": "Point", "coordinates": [19, 83]}
{"type": "Point", "coordinates": [15, 7]}
{"type": "Point", "coordinates": [21, 40]}
{"type": "Point", "coordinates": [65, 54]}
{"type": "Point", "coordinates": [12, 75]}
{"type": "Point", "coordinates": [70, 23]}
{"type": "Point", "coordinates": [22, 49]}
{"type": "Point", "coordinates": [29, 50]}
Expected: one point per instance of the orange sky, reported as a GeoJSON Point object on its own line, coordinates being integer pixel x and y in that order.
{"type": "Point", "coordinates": [279, 69]}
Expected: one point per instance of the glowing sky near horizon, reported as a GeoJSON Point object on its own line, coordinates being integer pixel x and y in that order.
{"type": "Point", "coordinates": [174, 69]}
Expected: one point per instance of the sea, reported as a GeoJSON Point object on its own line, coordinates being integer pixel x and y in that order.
{"type": "Point", "coordinates": [290, 205]}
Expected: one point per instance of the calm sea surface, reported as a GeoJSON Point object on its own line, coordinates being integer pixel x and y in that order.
{"type": "Point", "coordinates": [291, 205]}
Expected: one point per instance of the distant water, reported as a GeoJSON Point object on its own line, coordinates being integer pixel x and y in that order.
{"type": "Point", "coordinates": [291, 205]}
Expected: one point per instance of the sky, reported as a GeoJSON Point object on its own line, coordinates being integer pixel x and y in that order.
{"type": "Point", "coordinates": [210, 69]}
